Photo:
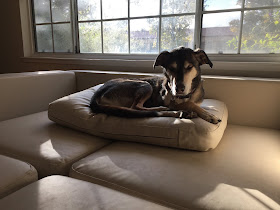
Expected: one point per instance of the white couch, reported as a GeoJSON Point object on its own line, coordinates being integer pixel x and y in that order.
{"type": "Point", "coordinates": [241, 173]}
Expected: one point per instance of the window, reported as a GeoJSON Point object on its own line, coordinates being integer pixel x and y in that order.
{"type": "Point", "coordinates": [148, 27]}
{"type": "Point", "coordinates": [241, 26]}
{"type": "Point", "coordinates": [53, 25]}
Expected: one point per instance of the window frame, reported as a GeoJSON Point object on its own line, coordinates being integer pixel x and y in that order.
{"type": "Point", "coordinates": [246, 61]}
{"type": "Point", "coordinates": [198, 14]}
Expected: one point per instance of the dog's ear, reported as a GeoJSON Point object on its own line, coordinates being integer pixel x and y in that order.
{"type": "Point", "coordinates": [162, 59]}
{"type": "Point", "coordinates": [202, 57]}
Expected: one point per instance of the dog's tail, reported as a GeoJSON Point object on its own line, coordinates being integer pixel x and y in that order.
{"type": "Point", "coordinates": [96, 107]}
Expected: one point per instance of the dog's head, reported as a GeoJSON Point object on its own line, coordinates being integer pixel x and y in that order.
{"type": "Point", "coordinates": [181, 66]}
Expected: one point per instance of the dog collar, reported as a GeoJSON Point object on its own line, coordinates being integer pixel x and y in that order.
{"type": "Point", "coordinates": [186, 96]}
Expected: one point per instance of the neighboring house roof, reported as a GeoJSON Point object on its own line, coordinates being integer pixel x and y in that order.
{"type": "Point", "coordinates": [217, 31]}
{"type": "Point", "coordinates": [211, 31]}
{"type": "Point", "coordinates": [142, 35]}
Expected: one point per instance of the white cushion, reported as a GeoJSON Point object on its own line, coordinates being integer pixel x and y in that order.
{"type": "Point", "coordinates": [50, 148]}
{"type": "Point", "coordinates": [195, 134]}
{"type": "Point", "coordinates": [15, 174]}
{"type": "Point", "coordinates": [58, 193]}
{"type": "Point", "coordinates": [241, 173]}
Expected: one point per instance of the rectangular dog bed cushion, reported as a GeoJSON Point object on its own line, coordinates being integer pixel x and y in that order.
{"type": "Point", "coordinates": [194, 134]}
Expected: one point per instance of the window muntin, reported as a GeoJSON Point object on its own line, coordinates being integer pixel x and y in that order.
{"type": "Point", "coordinates": [98, 26]}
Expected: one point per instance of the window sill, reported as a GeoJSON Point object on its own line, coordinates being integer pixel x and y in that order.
{"type": "Point", "coordinates": [144, 64]}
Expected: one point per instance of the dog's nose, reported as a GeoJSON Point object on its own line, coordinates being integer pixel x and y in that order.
{"type": "Point", "coordinates": [180, 88]}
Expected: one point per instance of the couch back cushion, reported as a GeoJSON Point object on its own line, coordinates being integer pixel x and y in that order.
{"type": "Point", "coordinates": [28, 93]}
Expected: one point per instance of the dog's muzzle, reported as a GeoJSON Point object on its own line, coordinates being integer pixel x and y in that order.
{"type": "Point", "coordinates": [184, 96]}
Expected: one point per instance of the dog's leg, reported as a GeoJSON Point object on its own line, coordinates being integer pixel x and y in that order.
{"type": "Point", "coordinates": [189, 115]}
{"type": "Point", "coordinates": [202, 113]}
{"type": "Point", "coordinates": [141, 96]}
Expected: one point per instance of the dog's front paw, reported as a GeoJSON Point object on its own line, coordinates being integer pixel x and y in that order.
{"type": "Point", "coordinates": [189, 115]}
{"type": "Point", "coordinates": [212, 119]}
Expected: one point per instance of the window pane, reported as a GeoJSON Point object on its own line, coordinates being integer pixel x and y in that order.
{"type": "Point", "coordinates": [179, 6]}
{"type": "Point", "coordinates": [42, 11]}
{"type": "Point", "coordinates": [44, 38]}
{"type": "Point", "coordinates": [144, 35]}
{"type": "Point", "coordinates": [62, 38]}
{"type": "Point", "coordinates": [221, 4]}
{"type": "Point", "coordinates": [144, 7]}
{"type": "Point", "coordinates": [90, 37]}
{"type": "Point", "coordinates": [260, 3]}
{"type": "Point", "coordinates": [177, 31]}
{"type": "Point", "coordinates": [114, 9]}
{"type": "Point", "coordinates": [261, 31]}
{"type": "Point", "coordinates": [89, 10]}
{"type": "Point", "coordinates": [115, 36]}
{"type": "Point", "coordinates": [220, 32]}
{"type": "Point", "coordinates": [60, 10]}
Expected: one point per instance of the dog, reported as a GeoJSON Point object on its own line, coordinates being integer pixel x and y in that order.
{"type": "Point", "coordinates": [177, 93]}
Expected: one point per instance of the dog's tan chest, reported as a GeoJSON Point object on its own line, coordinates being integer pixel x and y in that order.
{"type": "Point", "coordinates": [172, 102]}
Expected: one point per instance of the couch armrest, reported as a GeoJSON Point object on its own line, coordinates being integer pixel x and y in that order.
{"type": "Point", "coordinates": [28, 93]}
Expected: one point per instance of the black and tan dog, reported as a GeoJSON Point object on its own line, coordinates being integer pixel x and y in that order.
{"type": "Point", "coordinates": [178, 93]}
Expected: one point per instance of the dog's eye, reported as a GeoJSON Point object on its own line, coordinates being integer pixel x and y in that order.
{"type": "Point", "coordinates": [188, 68]}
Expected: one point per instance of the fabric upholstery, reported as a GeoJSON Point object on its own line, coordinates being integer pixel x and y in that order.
{"type": "Point", "coordinates": [241, 173]}
{"type": "Point", "coordinates": [15, 174]}
{"type": "Point", "coordinates": [50, 148]}
{"type": "Point", "coordinates": [196, 134]}
{"type": "Point", "coordinates": [58, 192]}
{"type": "Point", "coordinates": [27, 93]}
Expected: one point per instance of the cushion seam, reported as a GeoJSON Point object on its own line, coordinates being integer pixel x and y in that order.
{"type": "Point", "coordinates": [128, 189]}
{"type": "Point", "coordinates": [224, 105]}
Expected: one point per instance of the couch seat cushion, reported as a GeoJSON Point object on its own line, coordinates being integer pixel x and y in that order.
{"type": "Point", "coordinates": [15, 174]}
{"type": "Point", "coordinates": [241, 173]}
{"type": "Point", "coordinates": [49, 147]}
{"type": "Point", "coordinates": [58, 192]}
{"type": "Point", "coordinates": [196, 134]}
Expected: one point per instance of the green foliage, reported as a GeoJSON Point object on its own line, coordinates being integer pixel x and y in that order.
{"type": "Point", "coordinates": [233, 43]}
{"type": "Point", "coordinates": [90, 37]}
{"type": "Point", "coordinates": [176, 32]}
{"type": "Point", "coordinates": [260, 33]}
